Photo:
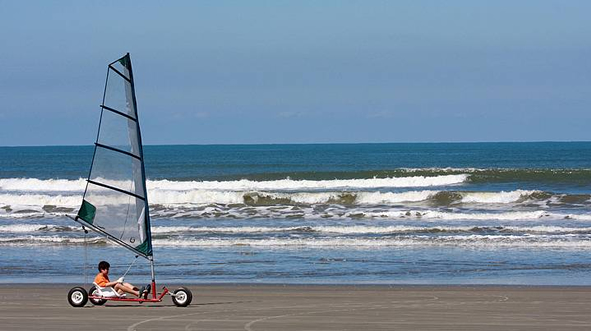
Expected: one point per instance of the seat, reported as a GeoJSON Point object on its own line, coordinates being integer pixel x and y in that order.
{"type": "Point", "coordinates": [107, 292]}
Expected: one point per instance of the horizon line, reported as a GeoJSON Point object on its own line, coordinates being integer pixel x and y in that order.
{"type": "Point", "coordinates": [330, 143]}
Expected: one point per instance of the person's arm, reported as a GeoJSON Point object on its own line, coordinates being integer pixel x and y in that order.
{"type": "Point", "coordinates": [111, 284]}
{"type": "Point", "coordinates": [118, 281]}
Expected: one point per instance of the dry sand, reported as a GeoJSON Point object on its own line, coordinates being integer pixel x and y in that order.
{"type": "Point", "coordinates": [268, 307]}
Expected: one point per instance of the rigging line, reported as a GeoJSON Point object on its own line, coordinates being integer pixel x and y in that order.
{"type": "Point", "coordinates": [85, 256]}
{"type": "Point", "coordinates": [129, 268]}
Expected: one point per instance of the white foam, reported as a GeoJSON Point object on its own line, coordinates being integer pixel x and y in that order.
{"type": "Point", "coordinates": [579, 241]}
{"type": "Point", "coordinates": [354, 229]}
{"type": "Point", "coordinates": [169, 197]}
{"type": "Point", "coordinates": [361, 229]}
{"type": "Point", "coordinates": [78, 185]}
{"type": "Point", "coordinates": [366, 213]}
{"type": "Point", "coordinates": [43, 185]}
{"type": "Point", "coordinates": [45, 240]}
{"type": "Point", "coordinates": [549, 229]}
{"type": "Point", "coordinates": [31, 228]}
{"type": "Point", "coordinates": [289, 184]}
{"type": "Point", "coordinates": [309, 198]}
{"type": "Point", "coordinates": [204, 197]}
{"type": "Point", "coordinates": [495, 197]}
{"type": "Point", "coordinates": [446, 169]}
{"type": "Point", "coordinates": [195, 199]}
{"type": "Point", "coordinates": [491, 241]}
{"type": "Point", "coordinates": [189, 229]}
{"type": "Point", "coordinates": [22, 215]}
{"type": "Point", "coordinates": [434, 214]}
{"type": "Point", "coordinates": [21, 228]}
{"type": "Point", "coordinates": [579, 217]}
{"type": "Point", "coordinates": [321, 229]}
{"type": "Point", "coordinates": [40, 200]}
{"type": "Point", "coordinates": [16, 192]}
{"type": "Point", "coordinates": [374, 198]}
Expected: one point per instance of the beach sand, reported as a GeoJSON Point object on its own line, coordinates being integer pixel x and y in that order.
{"type": "Point", "coordinates": [309, 307]}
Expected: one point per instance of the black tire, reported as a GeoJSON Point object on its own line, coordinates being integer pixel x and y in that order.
{"type": "Point", "coordinates": [96, 302]}
{"type": "Point", "coordinates": [182, 297]}
{"type": "Point", "coordinates": [77, 297]}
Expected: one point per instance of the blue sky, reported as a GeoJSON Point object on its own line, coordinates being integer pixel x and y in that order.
{"type": "Point", "coordinates": [214, 72]}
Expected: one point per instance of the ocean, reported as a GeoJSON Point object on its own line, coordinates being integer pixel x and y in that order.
{"type": "Point", "coordinates": [416, 213]}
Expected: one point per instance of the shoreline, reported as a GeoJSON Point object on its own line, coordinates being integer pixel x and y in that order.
{"type": "Point", "coordinates": [327, 285]}
{"type": "Point", "coordinates": [310, 307]}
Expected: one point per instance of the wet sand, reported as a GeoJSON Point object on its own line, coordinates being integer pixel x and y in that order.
{"type": "Point", "coordinates": [295, 307]}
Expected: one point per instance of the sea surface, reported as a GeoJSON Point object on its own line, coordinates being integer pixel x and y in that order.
{"type": "Point", "coordinates": [444, 213]}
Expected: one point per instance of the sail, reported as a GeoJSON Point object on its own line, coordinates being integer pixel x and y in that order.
{"type": "Point", "coordinates": [115, 200]}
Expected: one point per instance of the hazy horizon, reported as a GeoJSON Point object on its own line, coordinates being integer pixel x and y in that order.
{"type": "Point", "coordinates": [332, 143]}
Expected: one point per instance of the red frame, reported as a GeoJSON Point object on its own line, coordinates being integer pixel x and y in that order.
{"type": "Point", "coordinates": [154, 298]}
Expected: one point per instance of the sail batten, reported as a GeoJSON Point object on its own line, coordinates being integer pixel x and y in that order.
{"type": "Point", "coordinates": [120, 74]}
{"type": "Point", "coordinates": [118, 150]}
{"type": "Point", "coordinates": [118, 112]}
{"type": "Point", "coordinates": [115, 199]}
{"type": "Point", "coordinates": [116, 189]}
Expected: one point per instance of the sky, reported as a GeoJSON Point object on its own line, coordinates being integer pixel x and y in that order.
{"type": "Point", "coordinates": [241, 72]}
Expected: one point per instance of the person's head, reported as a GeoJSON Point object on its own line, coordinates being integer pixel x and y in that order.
{"type": "Point", "coordinates": [104, 266]}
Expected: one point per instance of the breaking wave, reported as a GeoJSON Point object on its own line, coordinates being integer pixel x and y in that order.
{"type": "Point", "coordinates": [345, 197]}
{"type": "Point", "coordinates": [63, 185]}
{"type": "Point", "coordinates": [312, 229]}
{"type": "Point", "coordinates": [475, 175]}
{"type": "Point", "coordinates": [315, 205]}
{"type": "Point", "coordinates": [340, 214]}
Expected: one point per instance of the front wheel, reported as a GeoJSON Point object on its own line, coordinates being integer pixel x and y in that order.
{"type": "Point", "coordinates": [94, 292]}
{"type": "Point", "coordinates": [77, 297]}
{"type": "Point", "coordinates": [182, 297]}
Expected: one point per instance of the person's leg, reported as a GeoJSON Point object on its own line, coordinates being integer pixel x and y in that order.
{"type": "Point", "coordinates": [127, 289]}
{"type": "Point", "coordinates": [128, 285]}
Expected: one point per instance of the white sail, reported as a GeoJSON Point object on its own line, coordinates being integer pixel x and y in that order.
{"type": "Point", "coordinates": [115, 201]}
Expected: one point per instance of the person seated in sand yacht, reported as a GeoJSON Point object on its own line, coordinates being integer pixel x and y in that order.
{"type": "Point", "coordinates": [102, 280]}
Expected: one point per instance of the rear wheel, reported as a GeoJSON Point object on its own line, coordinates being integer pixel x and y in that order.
{"type": "Point", "coordinates": [77, 297]}
{"type": "Point", "coordinates": [182, 297]}
{"type": "Point", "coordinates": [94, 292]}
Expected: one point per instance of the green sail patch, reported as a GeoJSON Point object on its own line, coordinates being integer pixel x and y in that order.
{"type": "Point", "coordinates": [145, 247]}
{"type": "Point", "coordinates": [87, 211]}
{"type": "Point", "coordinates": [125, 62]}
